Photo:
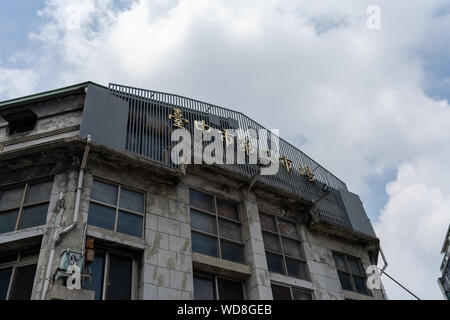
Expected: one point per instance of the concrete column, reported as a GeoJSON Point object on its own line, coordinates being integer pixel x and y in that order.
{"type": "Point", "coordinates": [258, 286]}
{"type": "Point", "coordinates": [166, 268]}
{"type": "Point", "coordinates": [65, 183]}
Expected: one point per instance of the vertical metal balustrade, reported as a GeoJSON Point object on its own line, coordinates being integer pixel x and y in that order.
{"type": "Point", "coordinates": [149, 130]}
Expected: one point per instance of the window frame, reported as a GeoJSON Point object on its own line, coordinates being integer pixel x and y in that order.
{"type": "Point", "coordinates": [134, 271]}
{"type": "Point", "coordinates": [349, 273]}
{"type": "Point", "coordinates": [23, 205]}
{"type": "Point", "coordinates": [21, 261]}
{"type": "Point", "coordinates": [281, 253]}
{"type": "Point", "coordinates": [215, 279]}
{"type": "Point", "coordinates": [310, 291]}
{"type": "Point", "coordinates": [216, 217]}
{"type": "Point", "coordinates": [117, 207]}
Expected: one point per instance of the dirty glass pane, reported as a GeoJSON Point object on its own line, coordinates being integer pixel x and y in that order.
{"type": "Point", "coordinates": [33, 216]}
{"type": "Point", "coordinates": [202, 201]}
{"type": "Point", "coordinates": [230, 230]}
{"type": "Point", "coordinates": [131, 200]}
{"type": "Point", "coordinates": [130, 224]}
{"type": "Point", "coordinates": [23, 283]}
{"type": "Point", "coordinates": [360, 285]}
{"type": "Point", "coordinates": [274, 263]}
{"type": "Point", "coordinates": [287, 228]}
{"type": "Point", "coordinates": [104, 192]}
{"type": "Point", "coordinates": [5, 276]}
{"type": "Point", "coordinates": [271, 242]}
{"type": "Point", "coordinates": [339, 261]}
{"type": "Point", "coordinates": [10, 198]}
{"type": "Point", "coordinates": [292, 248]}
{"type": "Point", "coordinates": [8, 221]}
{"type": "Point", "coordinates": [96, 282]}
{"type": "Point", "coordinates": [281, 292]}
{"type": "Point", "coordinates": [30, 253]}
{"type": "Point", "coordinates": [354, 266]}
{"type": "Point", "coordinates": [39, 192]}
{"type": "Point", "coordinates": [119, 278]}
{"type": "Point", "coordinates": [227, 209]}
{"type": "Point", "coordinates": [345, 281]}
{"type": "Point", "coordinates": [267, 222]}
{"type": "Point", "coordinates": [230, 290]}
{"type": "Point", "coordinates": [301, 294]}
{"type": "Point", "coordinates": [232, 251]}
{"type": "Point", "coordinates": [296, 269]}
{"type": "Point", "coordinates": [204, 244]}
{"type": "Point", "coordinates": [203, 288]}
{"type": "Point", "coordinates": [9, 257]}
{"type": "Point", "coordinates": [101, 216]}
{"type": "Point", "coordinates": [203, 222]}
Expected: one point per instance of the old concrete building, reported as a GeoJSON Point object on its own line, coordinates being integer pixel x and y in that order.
{"type": "Point", "coordinates": [87, 183]}
{"type": "Point", "coordinates": [444, 280]}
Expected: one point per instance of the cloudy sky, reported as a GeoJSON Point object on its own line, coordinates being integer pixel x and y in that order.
{"type": "Point", "coordinates": [369, 105]}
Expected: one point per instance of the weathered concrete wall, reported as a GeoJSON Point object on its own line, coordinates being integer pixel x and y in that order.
{"type": "Point", "coordinates": [165, 254]}
{"type": "Point", "coordinates": [66, 184]}
{"type": "Point", "coordinates": [57, 119]}
{"type": "Point", "coordinates": [166, 262]}
{"type": "Point", "coordinates": [318, 249]}
{"type": "Point", "coordinates": [166, 268]}
{"type": "Point", "coordinates": [258, 285]}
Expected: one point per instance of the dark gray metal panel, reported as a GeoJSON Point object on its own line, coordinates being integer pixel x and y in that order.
{"type": "Point", "coordinates": [356, 213]}
{"type": "Point", "coordinates": [105, 118]}
{"type": "Point", "coordinates": [233, 123]}
{"type": "Point", "coordinates": [215, 120]}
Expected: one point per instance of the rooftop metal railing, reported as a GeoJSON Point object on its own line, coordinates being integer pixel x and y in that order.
{"type": "Point", "coordinates": [149, 130]}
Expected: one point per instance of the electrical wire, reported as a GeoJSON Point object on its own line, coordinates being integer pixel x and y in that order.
{"type": "Point", "coordinates": [403, 287]}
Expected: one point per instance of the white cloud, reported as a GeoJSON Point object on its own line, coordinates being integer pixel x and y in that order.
{"type": "Point", "coordinates": [17, 82]}
{"type": "Point", "coordinates": [351, 96]}
{"type": "Point", "coordinates": [412, 228]}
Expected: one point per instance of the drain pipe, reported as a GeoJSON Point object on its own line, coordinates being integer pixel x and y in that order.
{"type": "Point", "coordinates": [384, 260]}
{"type": "Point", "coordinates": [76, 212]}
{"type": "Point", "coordinates": [58, 235]}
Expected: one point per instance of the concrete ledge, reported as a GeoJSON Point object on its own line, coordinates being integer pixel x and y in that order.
{"type": "Point", "coordinates": [355, 296]}
{"type": "Point", "coordinates": [207, 264]}
{"type": "Point", "coordinates": [59, 292]}
{"type": "Point", "coordinates": [372, 244]}
{"type": "Point", "coordinates": [276, 277]}
{"type": "Point", "coordinates": [117, 238]}
{"type": "Point", "coordinates": [20, 238]}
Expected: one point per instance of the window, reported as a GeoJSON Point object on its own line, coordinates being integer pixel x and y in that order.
{"type": "Point", "coordinates": [281, 292]}
{"type": "Point", "coordinates": [208, 287]}
{"type": "Point", "coordinates": [284, 252]}
{"type": "Point", "coordinates": [216, 227]}
{"type": "Point", "coordinates": [112, 276]}
{"type": "Point", "coordinates": [17, 275]}
{"type": "Point", "coordinates": [24, 206]}
{"type": "Point", "coordinates": [351, 274]}
{"type": "Point", "coordinates": [116, 208]}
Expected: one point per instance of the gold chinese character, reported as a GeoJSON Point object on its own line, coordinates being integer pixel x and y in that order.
{"type": "Point", "coordinates": [286, 162]}
{"type": "Point", "coordinates": [247, 147]}
{"type": "Point", "coordinates": [202, 126]}
{"type": "Point", "coordinates": [228, 137]}
{"type": "Point", "coordinates": [178, 119]}
{"type": "Point", "coordinates": [305, 171]}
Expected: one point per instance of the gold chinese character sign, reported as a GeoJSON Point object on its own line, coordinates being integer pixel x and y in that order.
{"type": "Point", "coordinates": [305, 171]}
{"type": "Point", "coordinates": [178, 119]}
{"type": "Point", "coordinates": [285, 162]}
